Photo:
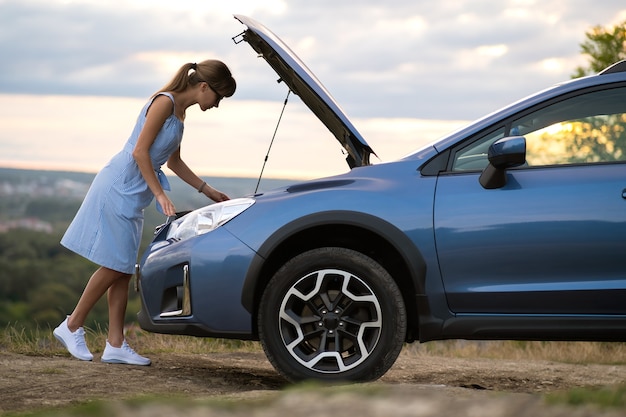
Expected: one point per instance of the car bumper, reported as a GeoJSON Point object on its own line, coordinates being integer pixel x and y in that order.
{"type": "Point", "coordinates": [194, 287]}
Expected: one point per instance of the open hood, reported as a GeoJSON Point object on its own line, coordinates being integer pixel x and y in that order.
{"type": "Point", "coordinates": [304, 83]}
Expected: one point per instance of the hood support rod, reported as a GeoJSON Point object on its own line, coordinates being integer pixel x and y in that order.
{"type": "Point", "coordinates": [272, 141]}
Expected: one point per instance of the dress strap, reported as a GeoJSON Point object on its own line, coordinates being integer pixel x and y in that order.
{"type": "Point", "coordinates": [160, 93]}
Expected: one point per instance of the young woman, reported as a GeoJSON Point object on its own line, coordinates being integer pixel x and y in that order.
{"type": "Point", "coordinates": [107, 228]}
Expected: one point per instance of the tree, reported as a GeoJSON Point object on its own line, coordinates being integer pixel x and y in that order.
{"type": "Point", "coordinates": [604, 46]}
{"type": "Point", "coordinates": [603, 137]}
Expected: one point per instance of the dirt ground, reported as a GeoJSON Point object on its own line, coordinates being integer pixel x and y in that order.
{"type": "Point", "coordinates": [245, 384]}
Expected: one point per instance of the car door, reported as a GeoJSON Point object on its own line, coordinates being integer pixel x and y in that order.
{"type": "Point", "coordinates": [552, 240]}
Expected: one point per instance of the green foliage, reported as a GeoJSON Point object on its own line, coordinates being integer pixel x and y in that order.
{"type": "Point", "coordinates": [605, 397]}
{"type": "Point", "coordinates": [52, 209]}
{"type": "Point", "coordinates": [590, 140]}
{"type": "Point", "coordinates": [40, 281]}
{"type": "Point", "coordinates": [604, 46]}
{"type": "Point", "coordinates": [602, 138]}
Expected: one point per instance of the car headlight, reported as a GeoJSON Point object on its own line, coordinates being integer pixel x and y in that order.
{"type": "Point", "coordinates": [207, 218]}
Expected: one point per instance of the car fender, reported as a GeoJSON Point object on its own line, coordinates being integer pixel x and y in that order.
{"type": "Point", "coordinates": [410, 254]}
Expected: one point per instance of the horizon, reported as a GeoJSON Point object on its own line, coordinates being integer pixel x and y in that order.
{"type": "Point", "coordinates": [82, 133]}
{"type": "Point", "coordinates": [170, 174]}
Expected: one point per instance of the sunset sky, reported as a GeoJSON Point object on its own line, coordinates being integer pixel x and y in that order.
{"type": "Point", "coordinates": [74, 74]}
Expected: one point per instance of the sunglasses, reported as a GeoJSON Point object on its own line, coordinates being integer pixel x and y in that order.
{"type": "Point", "coordinates": [219, 96]}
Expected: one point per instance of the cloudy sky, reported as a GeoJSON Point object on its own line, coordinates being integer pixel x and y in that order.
{"type": "Point", "coordinates": [74, 74]}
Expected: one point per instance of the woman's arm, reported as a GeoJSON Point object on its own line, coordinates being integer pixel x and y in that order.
{"type": "Point", "coordinates": [180, 168]}
{"type": "Point", "coordinates": [160, 109]}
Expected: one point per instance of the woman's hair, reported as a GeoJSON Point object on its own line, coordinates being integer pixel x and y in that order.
{"type": "Point", "coordinates": [213, 72]}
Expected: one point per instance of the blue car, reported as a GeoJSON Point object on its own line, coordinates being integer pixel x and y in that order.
{"type": "Point", "coordinates": [513, 227]}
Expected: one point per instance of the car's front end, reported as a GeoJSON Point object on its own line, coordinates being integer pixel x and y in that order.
{"type": "Point", "coordinates": [197, 279]}
{"type": "Point", "coordinates": [204, 273]}
{"type": "Point", "coordinates": [176, 258]}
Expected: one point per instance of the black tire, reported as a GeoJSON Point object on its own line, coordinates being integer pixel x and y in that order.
{"type": "Point", "coordinates": [332, 314]}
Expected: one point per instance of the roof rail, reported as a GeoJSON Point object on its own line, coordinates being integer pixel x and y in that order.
{"type": "Point", "coordinates": [619, 66]}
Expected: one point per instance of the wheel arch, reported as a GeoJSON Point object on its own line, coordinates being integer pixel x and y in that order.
{"type": "Point", "coordinates": [362, 232]}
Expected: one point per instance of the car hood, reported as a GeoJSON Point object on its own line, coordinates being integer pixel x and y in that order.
{"type": "Point", "coordinates": [304, 83]}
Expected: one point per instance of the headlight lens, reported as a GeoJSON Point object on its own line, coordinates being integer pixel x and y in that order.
{"type": "Point", "coordinates": [208, 218]}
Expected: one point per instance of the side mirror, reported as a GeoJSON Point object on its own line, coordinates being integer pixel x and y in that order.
{"type": "Point", "coordinates": [503, 154]}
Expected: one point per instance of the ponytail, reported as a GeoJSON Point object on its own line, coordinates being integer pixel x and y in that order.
{"type": "Point", "coordinates": [213, 72]}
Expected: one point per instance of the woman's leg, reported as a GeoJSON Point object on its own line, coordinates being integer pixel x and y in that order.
{"type": "Point", "coordinates": [117, 298]}
{"type": "Point", "coordinates": [98, 284]}
{"type": "Point", "coordinates": [116, 349]}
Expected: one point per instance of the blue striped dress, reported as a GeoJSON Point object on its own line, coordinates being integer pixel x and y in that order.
{"type": "Point", "coordinates": [107, 227]}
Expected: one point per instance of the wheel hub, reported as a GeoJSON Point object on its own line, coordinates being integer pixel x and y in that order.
{"type": "Point", "coordinates": [330, 321]}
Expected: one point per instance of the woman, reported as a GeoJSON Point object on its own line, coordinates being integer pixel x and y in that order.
{"type": "Point", "coordinates": [107, 228]}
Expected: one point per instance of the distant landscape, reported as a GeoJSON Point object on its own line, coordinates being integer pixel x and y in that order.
{"type": "Point", "coordinates": [39, 279]}
{"type": "Point", "coordinates": [48, 200]}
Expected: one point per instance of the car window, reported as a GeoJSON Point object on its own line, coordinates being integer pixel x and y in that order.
{"type": "Point", "coordinates": [474, 157]}
{"type": "Point", "coordinates": [588, 128]}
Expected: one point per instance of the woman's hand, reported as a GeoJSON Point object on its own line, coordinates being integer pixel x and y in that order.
{"type": "Point", "coordinates": [166, 204]}
{"type": "Point", "coordinates": [214, 194]}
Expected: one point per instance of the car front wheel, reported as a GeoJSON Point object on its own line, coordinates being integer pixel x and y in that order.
{"type": "Point", "coordinates": [332, 314]}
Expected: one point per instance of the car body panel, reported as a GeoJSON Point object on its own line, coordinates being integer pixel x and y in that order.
{"type": "Point", "coordinates": [556, 260]}
{"type": "Point", "coordinates": [212, 280]}
{"type": "Point", "coordinates": [306, 85]}
{"type": "Point", "coordinates": [371, 203]}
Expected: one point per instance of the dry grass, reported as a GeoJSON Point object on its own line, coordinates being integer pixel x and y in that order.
{"type": "Point", "coordinates": [40, 342]}
{"type": "Point", "coordinates": [566, 352]}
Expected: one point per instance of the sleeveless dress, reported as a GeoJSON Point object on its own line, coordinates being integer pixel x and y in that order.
{"type": "Point", "coordinates": [107, 227]}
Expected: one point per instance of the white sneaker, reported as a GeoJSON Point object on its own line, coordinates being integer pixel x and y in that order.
{"type": "Point", "coordinates": [124, 354]}
{"type": "Point", "coordinates": [74, 342]}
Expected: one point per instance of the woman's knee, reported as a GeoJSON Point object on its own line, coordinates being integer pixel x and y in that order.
{"type": "Point", "coordinates": [116, 274]}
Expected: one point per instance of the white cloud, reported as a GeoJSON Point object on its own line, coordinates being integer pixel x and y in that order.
{"type": "Point", "coordinates": [492, 50]}
{"type": "Point", "coordinates": [619, 18]}
{"type": "Point", "coordinates": [403, 50]}
{"type": "Point", "coordinates": [553, 65]}
{"type": "Point", "coordinates": [402, 26]}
